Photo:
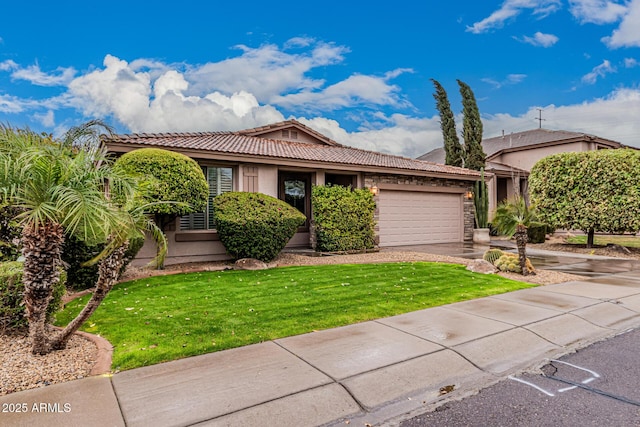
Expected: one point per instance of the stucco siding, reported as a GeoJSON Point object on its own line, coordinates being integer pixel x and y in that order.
{"type": "Point", "coordinates": [527, 158]}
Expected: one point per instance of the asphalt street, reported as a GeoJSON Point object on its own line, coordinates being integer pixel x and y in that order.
{"type": "Point", "coordinates": [596, 386]}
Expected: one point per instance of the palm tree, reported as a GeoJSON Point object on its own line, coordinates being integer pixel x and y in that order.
{"type": "Point", "coordinates": [512, 218]}
{"type": "Point", "coordinates": [62, 187]}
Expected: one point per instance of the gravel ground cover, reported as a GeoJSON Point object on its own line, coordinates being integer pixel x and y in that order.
{"type": "Point", "coordinates": [20, 370]}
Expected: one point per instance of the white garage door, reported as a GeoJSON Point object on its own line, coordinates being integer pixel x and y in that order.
{"type": "Point", "coordinates": [414, 218]}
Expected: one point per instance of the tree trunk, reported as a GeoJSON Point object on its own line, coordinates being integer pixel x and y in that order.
{"type": "Point", "coordinates": [41, 248]}
{"type": "Point", "coordinates": [521, 241]}
{"type": "Point", "coordinates": [162, 221]}
{"type": "Point", "coordinates": [590, 237]}
{"type": "Point", "coordinates": [108, 272]}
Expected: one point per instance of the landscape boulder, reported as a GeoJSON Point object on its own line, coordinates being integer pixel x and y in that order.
{"type": "Point", "coordinates": [250, 264]}
{"type": "Point", "coordinates": [481, 266]}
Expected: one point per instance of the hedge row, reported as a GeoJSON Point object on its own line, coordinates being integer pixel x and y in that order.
{"type": "Point", "coordinates": [12, 293]}
{"type": "Point", "coordinates": [343, 218]}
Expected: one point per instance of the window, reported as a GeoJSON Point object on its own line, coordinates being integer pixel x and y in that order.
{"type": "Point", "coordinates": [220, 181]}
{"type": "Point", "coordinates": [285, 133]}
{"type": "Point", "coordinates": [343, 180]}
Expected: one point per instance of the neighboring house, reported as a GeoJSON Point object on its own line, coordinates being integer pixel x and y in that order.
{"type": "Point", "coordinates": [417, 202]}
{"type": "Point", "coordinates": [511, 157]}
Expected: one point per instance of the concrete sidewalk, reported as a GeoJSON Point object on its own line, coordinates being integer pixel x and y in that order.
{"type": "Point", "coordinates": [374, 372]}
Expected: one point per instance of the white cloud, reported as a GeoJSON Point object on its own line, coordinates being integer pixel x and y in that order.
{"type": "Point", "coordinates": [597, 11]}
{"type": "Point", "coordinates": [235, 93]}
{"type": "Point", "coordinates": [266, 71]}
{"type": "Point", "coordinates": [356, 89]}
{"type": "Point", "coordinates": [47, 119]}
{"type": "Point", "coordinates": [631, 62]}
{"type": "Point", "coordinates": [8, 65]}
{"type": "Point", "coordinates": [512, 8]}
{"type": "Point", "coordinates": [612, 117]}
{"type": "Point", "coordinates": [628, 33]}
{"type": "Point", "coordinates": [541, 39]}
{"type": "Point", "coordinates": [143, 105]}
{"type": "Point", "coordinates": [599, 71]}
{"type": "Point", "coordinates": [511, 79]}
{"type": "Point", "coordinates": [35, 76]}
{"type": "Point", "coordinates": [403, 135]}
{"type": "Point", "coordinates": [11, 104]}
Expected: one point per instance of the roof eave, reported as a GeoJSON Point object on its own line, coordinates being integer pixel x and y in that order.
{"type": "Point", "coordinates": [204, 155]}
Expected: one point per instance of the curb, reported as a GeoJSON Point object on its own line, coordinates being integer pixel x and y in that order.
{"type": "Point", "coordinates": [104, 355]}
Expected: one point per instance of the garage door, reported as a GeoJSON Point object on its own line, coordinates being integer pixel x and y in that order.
{"type": "Point", "coordinates": [414, 218]}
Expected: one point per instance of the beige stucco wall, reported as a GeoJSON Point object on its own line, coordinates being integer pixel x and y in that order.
{"type": "Point", "coordinates": [527, 158]}
{"type": "Point", "coordinates": [204, 245]}
{"type": "Point", "coordinates": [301, 136]}
{"type": "Point", "coordinates": [268, 180]}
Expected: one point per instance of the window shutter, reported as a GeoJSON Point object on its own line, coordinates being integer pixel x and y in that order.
{"type": "Point", "coordinates": [250, 179]}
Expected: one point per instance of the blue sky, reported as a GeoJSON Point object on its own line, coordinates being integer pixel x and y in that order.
{"type": "Point", "coordinates": [358, 72]}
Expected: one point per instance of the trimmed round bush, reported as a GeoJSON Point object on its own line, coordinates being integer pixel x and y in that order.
{"type": "Point", "coordinates": [166, 176]}
{"type": "Point", "coordinates": [11, 296]}
{"type": "Point", "coordinates": [254, 225]}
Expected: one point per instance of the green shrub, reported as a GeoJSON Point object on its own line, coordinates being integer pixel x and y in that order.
{"type": "Point", "coordinates": [492, 255]}
{"type": "Point", "coordinates": [254, 225]}
{"type": "Point", "coordinates": [9, 234]}
{"type": "Point", "coordinates": [537, 233]}
{"type": "Point", "coordinates": [589, 191]}
{"type": "Point", "coordinates": [343, 218]}
{"type": "Point", "coordinates": [169, 183]}
{"type": "Point", "coordinates": [11, 296]}
{"type": "Point", "coordinates": [76, 252]}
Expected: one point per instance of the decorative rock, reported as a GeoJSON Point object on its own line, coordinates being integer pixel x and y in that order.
{"type": "Point", "coordinates": [250, 264]}
{"type": "Point", "coordinates": [481, 266]}
{"type": "Point", "coordinates": [619, 248]}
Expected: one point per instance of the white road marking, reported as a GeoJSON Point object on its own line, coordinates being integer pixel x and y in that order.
{"type": "Point", "coordinates": [532, 385]}
{"type": "Point", "coordinates": [595, 374]}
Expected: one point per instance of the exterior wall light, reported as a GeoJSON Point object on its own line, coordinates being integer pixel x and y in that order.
{"type": "Point", "coordinates": [468, 195]}
{"type": "Point", "coordinates": [374, 190]}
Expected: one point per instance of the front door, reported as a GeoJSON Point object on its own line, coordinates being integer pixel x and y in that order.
{"type": "Point", "coordinates": [295, 189]}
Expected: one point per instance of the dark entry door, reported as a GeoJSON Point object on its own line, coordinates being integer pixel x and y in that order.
{"type": "Point", "coordinates": [295, 189]}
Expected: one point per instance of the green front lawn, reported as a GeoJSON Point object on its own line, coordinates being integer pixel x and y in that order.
{"type": "Point", "coordinates": [598, 240]}
{"type": "Point", "coordinates": [163, 318]}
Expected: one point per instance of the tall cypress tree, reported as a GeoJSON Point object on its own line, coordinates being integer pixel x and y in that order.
{"type": "Point", "coordinates": [471, 129]}
{"type": "Point", "coordinates": [452, 147]}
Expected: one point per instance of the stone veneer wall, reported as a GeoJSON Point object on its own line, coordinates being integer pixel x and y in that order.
{"type": "Point", "coordinates": [468, 207]}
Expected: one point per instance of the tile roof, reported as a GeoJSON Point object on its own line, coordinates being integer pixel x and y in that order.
{"type": "Point", "coordinates": [534, 137]}
{"type": "Point", "coordinates": [491, 146]}
{"type": "Point", "coordinates": [239, 144]}
{"type": "Point", "coordinates": [287, 124]}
